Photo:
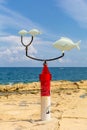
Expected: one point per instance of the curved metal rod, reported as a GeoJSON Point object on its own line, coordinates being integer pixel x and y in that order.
{"type": "Point", "coordinates": [28, 43]}
{"type": "Point", "coordinates": [51, 59]}
{"type": "Point", "coordinates": [38, 59]}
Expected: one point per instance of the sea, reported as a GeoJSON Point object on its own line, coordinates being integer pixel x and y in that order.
{"type": "Point", "coordinates": [12, 75]}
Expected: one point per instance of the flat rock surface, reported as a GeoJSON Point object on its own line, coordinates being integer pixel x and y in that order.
{"type": "Point", "coordinates": [20, 106]}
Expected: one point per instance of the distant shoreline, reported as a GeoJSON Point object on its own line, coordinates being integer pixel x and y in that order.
{"type": "Point", "coordinates": [34, 87]}
{"type": "Point", "coordinates": [17, 83]}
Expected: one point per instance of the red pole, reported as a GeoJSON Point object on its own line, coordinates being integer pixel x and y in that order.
{"type": "Point", "coordinates": [45, 78]}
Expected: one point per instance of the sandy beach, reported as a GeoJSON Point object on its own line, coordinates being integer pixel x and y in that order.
{"type": "Point", "coordinates": [20, 106]}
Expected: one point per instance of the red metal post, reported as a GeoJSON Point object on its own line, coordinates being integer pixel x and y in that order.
{"type": "Point", "coordinates": [45, 78]}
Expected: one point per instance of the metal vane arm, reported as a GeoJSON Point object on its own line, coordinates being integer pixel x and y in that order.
{"type": "Point", "coordinates": [38, 59]}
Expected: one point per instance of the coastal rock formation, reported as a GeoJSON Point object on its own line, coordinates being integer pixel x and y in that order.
{"type": "Point", "coordinates": [20, 106]}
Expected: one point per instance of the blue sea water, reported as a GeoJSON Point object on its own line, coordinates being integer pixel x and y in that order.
{"type": "Point", "coordinates": [30, 74]}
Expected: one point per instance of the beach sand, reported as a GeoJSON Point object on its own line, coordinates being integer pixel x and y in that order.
{"type": "Point", "coordinates": [20, 106]}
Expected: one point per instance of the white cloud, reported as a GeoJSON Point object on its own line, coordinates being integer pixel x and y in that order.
{"type": "Point", "coordinates": [13, 51]}
{"type": "Point", "coordinates": [11, 39]}
{"type": "Point", "coordinates": [77, 9]}
{"type": "Point", "coordinates": [15, 54]}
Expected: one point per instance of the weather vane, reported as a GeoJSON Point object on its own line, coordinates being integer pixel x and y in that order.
{"type": "Point", "coordinates": [45, 77]}
{"type": "Point", "coordinates": [33, 33]}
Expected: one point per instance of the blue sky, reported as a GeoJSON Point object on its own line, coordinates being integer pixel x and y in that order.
{"type": "Point", "coordinates": [55, 19]}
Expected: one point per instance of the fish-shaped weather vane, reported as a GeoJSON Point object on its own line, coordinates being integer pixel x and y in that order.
{"type": "Point", "coordinates": [63, 44]}
{"type": "Point", "coordinates": [66, 44]}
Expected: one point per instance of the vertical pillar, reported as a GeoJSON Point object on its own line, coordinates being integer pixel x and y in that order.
{"type": "Point", "coordinates": [45, 78]}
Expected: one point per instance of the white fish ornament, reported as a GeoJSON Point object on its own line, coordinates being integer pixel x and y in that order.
{"type": "Point", "coordinates": [23, 32]}
{"type": "Point", "coordinates": [34, 32]}
{"type": "Point", "coordinates": [65, 44]}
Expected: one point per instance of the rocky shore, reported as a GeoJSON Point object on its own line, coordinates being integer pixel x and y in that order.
{"type": "Point", "coordinates": [20, 106]}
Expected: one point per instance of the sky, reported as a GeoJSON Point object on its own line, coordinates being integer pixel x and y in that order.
{"type": "Point", "coordinates": [55, 19]}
